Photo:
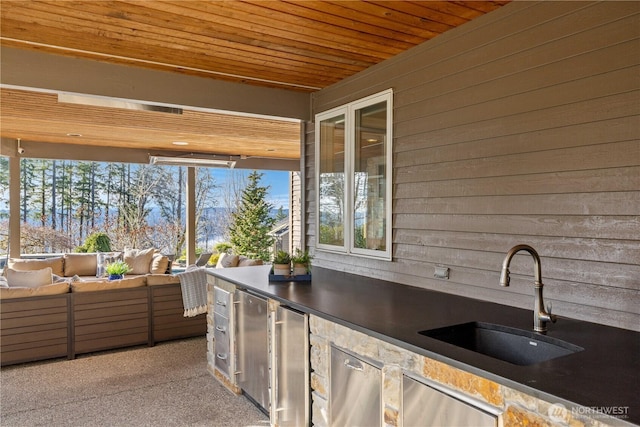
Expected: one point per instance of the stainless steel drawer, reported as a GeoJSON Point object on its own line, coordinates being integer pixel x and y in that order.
{"type": "Point", "coordinates": [221, 332]}
{"type": "Point", "coordinates": [222, 362]}
{"type": "Point", "coordinates": [222, 301]}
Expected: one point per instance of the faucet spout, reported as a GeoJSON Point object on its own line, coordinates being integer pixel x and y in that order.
{"type": "Point", "coordinates": [540, 315]}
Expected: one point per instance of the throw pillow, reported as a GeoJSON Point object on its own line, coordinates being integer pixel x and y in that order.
{"type": "Point", "coordinates": [29, 279]}
{"type": "Point", "coordinates": [56, 264]}
{"type": "Point", "coordinates": [139, 260]}
{"type": "Point", "coordinates": [159, 264]}
{"type": "Point", "coordinates": [80, 264]}
{"type": "Point", "coordinates": [3, 282]}
{"type": "Point", "coordinates": [227, 260]}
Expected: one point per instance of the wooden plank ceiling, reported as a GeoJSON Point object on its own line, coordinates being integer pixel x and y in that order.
{"type": "Point", "coordinates": [296, 45]}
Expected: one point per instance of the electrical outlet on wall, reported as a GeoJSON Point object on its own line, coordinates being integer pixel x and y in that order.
{"type": "Point", "coordinates": [441, 272]}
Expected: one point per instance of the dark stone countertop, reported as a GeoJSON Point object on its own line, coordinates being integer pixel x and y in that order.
{"type": "Point", "coordinates": [605, 375]}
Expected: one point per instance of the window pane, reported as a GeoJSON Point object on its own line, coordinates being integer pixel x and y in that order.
{"type": "Point", "coordinates": [370, 177]}
{"type": "Point", "coordinates": [331, 182]}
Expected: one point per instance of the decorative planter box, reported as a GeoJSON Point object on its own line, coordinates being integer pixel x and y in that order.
{"type": "Point", "coordinates": [289, 278]}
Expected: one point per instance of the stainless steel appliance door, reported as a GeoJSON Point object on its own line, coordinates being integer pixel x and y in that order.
{"type": "Point", "coordinates": [291, 355]}
{"type": "Point", "coordinates": [253, 347]}
{"type": "Point", "coordinates": [424, 406]}
{"type": "Point", "coordinates": [355, 391]}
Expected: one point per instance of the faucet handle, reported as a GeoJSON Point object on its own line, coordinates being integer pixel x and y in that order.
{"type": "Point", "coordinates": [552, 317]}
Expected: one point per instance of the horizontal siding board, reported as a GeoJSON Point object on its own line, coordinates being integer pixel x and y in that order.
{"type": "Point", "coordinates": [597, 180]}
{"type": "Point", "coordinates": [602, 203]}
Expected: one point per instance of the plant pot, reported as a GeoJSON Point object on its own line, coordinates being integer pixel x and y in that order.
{"type": "Point", "coordinates": [116, 276]}
{"type": "Point", "coordinates": [299, 269]}
{"type": "Point", "coordinates": [281, 269]}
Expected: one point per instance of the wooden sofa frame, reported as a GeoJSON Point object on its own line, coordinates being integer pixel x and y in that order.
{"type": "Point", "coordinates": [66, 325]}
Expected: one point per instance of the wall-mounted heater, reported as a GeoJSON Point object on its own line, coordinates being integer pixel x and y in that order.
{"type": "Point", "coordinates": [192, 161]}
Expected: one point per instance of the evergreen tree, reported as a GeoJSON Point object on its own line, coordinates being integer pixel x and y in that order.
{"type": "Point", "coordinates": [251, 222]}
{"type": "Point", "coordinates": [280, 215]}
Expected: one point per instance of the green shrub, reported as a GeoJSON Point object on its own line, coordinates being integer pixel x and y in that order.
{"type": "Point", "coordinates": [96, 242]}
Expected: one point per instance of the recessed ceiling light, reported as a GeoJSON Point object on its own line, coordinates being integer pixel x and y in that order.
{"type": "Point", "coordinates": [180, 143]}
{"type": "Point", "coordinates": [75, 135]}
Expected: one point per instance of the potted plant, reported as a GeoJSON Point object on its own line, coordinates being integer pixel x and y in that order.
{"type": "Point", "coordinates": [282, 263]}
{"type": "Point", "coordinates": [117, 269]}
{"type": "Point", "coordinates": [301, 261]}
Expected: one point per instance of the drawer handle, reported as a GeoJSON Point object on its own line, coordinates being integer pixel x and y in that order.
{"type": "Point", "coordinates": [222, 356]}
{"type": "Point", "coordinates": [355, 365]}
{"type": "Point", "coordinates": [221, 303]}
{"type": "Point", "coordinates": [221, 329]}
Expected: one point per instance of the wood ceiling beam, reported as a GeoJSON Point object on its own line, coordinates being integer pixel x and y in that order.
{"type": "Point", "coordinates": [23, 68]}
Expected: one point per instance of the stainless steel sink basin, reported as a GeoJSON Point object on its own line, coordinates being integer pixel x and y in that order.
{"type": "Point", "coordinates": [512, 345]}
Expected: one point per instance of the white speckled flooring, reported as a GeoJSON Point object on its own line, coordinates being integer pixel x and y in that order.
{"type": "Point", "coordinates": [165, 385]}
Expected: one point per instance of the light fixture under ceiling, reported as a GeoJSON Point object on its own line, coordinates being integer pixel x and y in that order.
{"type": "Point", "coordinates": [192, 161]}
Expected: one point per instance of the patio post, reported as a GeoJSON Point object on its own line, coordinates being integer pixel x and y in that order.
{"type": "Point", "coordinates": [14, 207]}
{"type": "Point", "coordinates": [191, 215]}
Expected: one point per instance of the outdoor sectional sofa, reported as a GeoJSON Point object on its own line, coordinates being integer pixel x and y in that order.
{"type": "Point", "coordinates": [81, 313]}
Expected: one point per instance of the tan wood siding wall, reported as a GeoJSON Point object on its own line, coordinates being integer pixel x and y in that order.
{"type": "Point", "coordinates": [522, 126]}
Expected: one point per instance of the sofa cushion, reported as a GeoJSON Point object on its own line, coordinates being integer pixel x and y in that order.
{"type": "Point", "coordinates": [227, 260]}
{"type": "Point", "coordinates": [162, 279]}
{"type": "Point", "coordinates": [40, 291]}
{"type": "Point", "coordinates": [80, 264]}
{"type": "Point", "coordinates": [104, 285]}
{"type": "Point", "coordinates": [56, 264]}
{"type": "Point", "coordinates": [248, 262]}
{"type": "Point", "coordinates": [29, 279]}
{"type": "Point", "coordinates": [139, 260]}
{"type": "Point", "coordinates": [159, 264]}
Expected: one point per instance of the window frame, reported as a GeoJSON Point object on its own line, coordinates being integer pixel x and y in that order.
{"type": "Point", "coordinates": [349, 111]}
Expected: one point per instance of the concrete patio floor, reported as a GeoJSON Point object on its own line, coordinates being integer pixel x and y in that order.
{"type": "Point", "coordinates": [165, 385]}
